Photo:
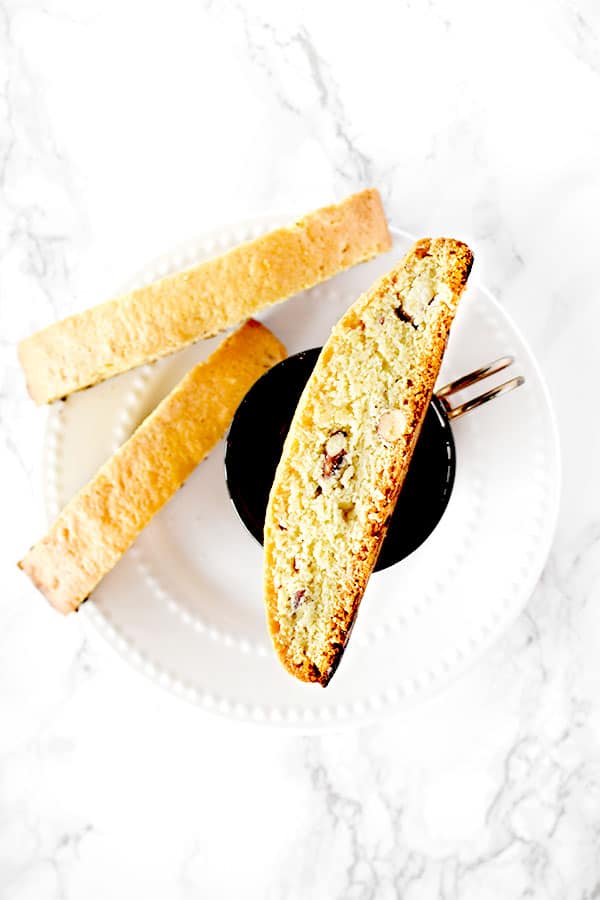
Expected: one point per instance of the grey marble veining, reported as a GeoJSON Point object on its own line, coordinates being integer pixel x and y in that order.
{"type": "Point", "coordinates": [125, 128]}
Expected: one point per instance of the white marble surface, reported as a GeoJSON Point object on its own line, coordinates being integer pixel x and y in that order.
{"type": "Point", "coordinates": [128, 127]}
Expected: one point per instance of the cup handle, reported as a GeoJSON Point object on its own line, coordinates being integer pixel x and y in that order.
{"type": "Point", "coordinates": [453, 412]}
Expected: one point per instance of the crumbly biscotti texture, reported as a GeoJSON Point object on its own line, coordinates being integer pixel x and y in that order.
{"type": "Point", "coordinates": [348, 451]}
{"type": "Point", "coordinates": [104, 518]}
{"type": "Point", "coordinates": [169, 314]}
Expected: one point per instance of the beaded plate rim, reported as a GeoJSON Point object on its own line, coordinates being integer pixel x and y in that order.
{"type": "Point", "coordinates": [303, 719]}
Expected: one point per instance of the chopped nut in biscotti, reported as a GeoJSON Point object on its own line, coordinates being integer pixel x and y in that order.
{"type": "Point", "coordinates": [332, 464]}
{"type": "Point", "coordinates": [336, 443]}
{"type": "Point", "coordinates": [297, 599]}
{"type": "Point", "coordinates": [391, 425]}
{"type": "Point", "coordinates": [335, 451]}
{"type": "Point", "coordinates": [404, 317]}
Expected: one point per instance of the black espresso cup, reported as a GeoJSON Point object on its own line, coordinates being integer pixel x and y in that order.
{"type": "Point", "coordinates": [261, 424]}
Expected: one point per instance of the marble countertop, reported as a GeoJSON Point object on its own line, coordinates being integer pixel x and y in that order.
{"type": "Point", "coordinates": [126, 128]}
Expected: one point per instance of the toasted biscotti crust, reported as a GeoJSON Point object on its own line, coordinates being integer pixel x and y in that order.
{"type": "Point", "coordinates": [348, 451]}
{"type": "Point", "coordinates": [105, 517]}
{"type": "Point", "coordinates": [169, 314]}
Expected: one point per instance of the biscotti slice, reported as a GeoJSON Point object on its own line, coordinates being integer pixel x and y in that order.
{"type": "Point", "coordinates": [104, 518]}
{"type": "Point", "coordinates": [347, 453]}
{"type": "Point", "coordinates": [169, 314]}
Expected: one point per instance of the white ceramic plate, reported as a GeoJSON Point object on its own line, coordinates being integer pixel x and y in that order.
{"type": "Point", "coordinates": [184, 605]}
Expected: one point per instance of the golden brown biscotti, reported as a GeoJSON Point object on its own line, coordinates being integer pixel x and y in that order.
{"type": "Point", "coordinates": [104, 518]}
{"type": "Point", "coordinates": [169, 314]}
{"type": "Point", "coordinates": [347, 453]}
